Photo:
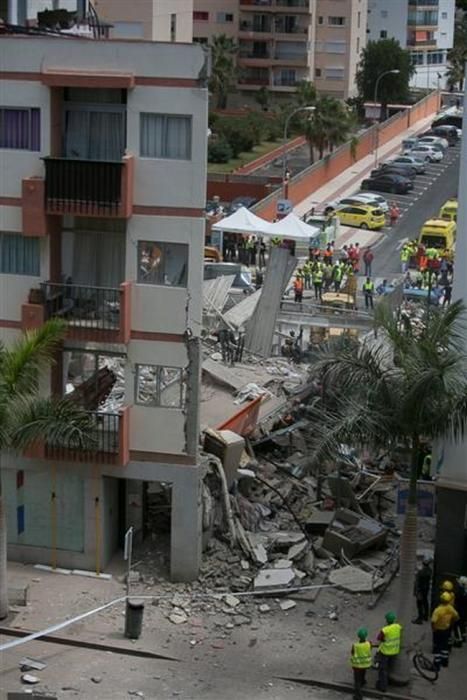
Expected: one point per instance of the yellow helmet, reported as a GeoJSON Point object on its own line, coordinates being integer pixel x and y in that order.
{"type": "Point", "coordinates": [447, 586]}
{"type": "Point", "coordinates": [445, 597]}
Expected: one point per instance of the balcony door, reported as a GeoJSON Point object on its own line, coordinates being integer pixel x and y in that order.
{"type": "Point", "coordinates": [94, 131]}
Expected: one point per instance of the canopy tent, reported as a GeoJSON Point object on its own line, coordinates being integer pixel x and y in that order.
{"type": "Point", "coordinates": [243, 221]}
{"type": "Point", "coordinates": [293, 228]}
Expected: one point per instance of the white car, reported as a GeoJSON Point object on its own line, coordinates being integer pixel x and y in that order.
{"type": "Point", "coordinates": [426, 153]}
{"type": "Point", "coordinates": [418, 164]}
{"type": "Point", "coordinates": [434, 140]}
{"type": "Point", "coordinates": [359, 198]}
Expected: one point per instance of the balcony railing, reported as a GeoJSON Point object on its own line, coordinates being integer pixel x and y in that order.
{"type": "Point", "coordinates": [256, 28]}
{"type": "Point", "coordinates": [249, 80]}
{"type": "Point", "coordinates": [89, 187]}
{"type": "Point", "coordinates": [109, 442]}
{"type": "Point", "coordinates": [281, 4]}
{"type": "Point", "coordinates": [92, 313]}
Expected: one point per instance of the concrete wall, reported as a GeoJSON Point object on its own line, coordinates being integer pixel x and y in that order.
{"type": "Point", "coordinates": [207, 29]}
{"type": "Point", "coordinates": [445, 34]}
{"type": "Point", "coordinates": [149, 20]}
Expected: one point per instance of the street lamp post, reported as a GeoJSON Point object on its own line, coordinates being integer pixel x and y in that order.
{"type": "Point", "coordinates": [394, 71]}
{"type": "Point", "coordinates": [285, 179]}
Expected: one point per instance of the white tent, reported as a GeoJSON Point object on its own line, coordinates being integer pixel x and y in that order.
{"type": "Point", "coordinates": [243, 221]}
{"type": "Point", "coordinates": [293, 228]}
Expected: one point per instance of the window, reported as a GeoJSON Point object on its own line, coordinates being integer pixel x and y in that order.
{"type": "Point", "coordinates": [20, 128]}
{"type": "Point", "coordinates": [444, 15]}
{"type": "Point", "coordinates": [320, 20]}
{"type": "Point", "coordinates": [358, 20]}
{"type": "Point", "coordinates": [383, 34]}
{"type": "Point", "coordinates": [165, 136]}
{"type": "Point", "coordinates": [223, 17]}
{"type": "Point", "coordinates": [336, 21]}
{"type": "Point", "coordinates": [173, 27]}
{"type": "Point", "coordinates": [163, 263]}
{"type": "Point", "coordinates": [335, 47]}
{"type": "Point", "coordinates": [417, 59]}
{"type": "Point", "coordinates": [160, 386]}
{"type": "Point", "coordinates": [200, 16]}
{"type": "Point", "coordinates": [335, 73]}
{"type": "Point", "coordinates": [434, 58]}
{"type": "Point", "coordinates": [318, 72]}
{"type": "Point", "coordinates": [200, 40]}
{"type": "Point", "coordinates": [19, 255]}
{"type": "Point", "coordinates": [358, 45]}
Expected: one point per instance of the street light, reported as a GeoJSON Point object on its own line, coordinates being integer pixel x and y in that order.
{"type": "Point", "coordinates": [394, 71]}
{"type": "Point", "coordinates": [284, 153]}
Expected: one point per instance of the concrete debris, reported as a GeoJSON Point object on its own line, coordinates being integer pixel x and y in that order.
{"type": "Point", "coordinates": [179, 601]}
{"type": "Point", "coordinates": [232, 601]}
{"type": "Point", "coordinates": [287, 604]}
{"type": "Point", "coordinates": [270, 579]}
{"type": "Point", "coordinates": [260, 554]}
{"type": "Point", "coordinates": [264, 608]}
{"type": "Point", "coordinates": [308, 563]}
{"type": "Point", "coordinates": [28, 664]}
{"type": "Point", "coordinates": [288, 539]}
{"type": "Point", "coordinates": [350, 578]}
{"type": "Point", "coordinates": [297, 550]}
{"type": "Point", "coordinates": [178, 617]}
{"type": "Point", "coordinates": [29, 679]}
{"type": "Point", "coordinates": [283, 564]}
{"type": "Point", "coordinates": [352, 533]}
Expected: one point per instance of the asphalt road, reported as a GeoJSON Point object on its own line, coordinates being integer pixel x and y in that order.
{"type": "Point", "coordinates": [431, 190]}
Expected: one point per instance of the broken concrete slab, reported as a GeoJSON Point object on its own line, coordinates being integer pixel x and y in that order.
{"type": "Point", "coordinates": [28, 664]}
{"type": "Point", "coordinates": [308, 562]}
{"type": "Point", "coordinates": [178, 616]}
{"type": "Point", "coordinates": [350, 578]}
{"type": "Point", "coordinates": [270, 579]}
{"type": "Point", "coordinates": [287, 604]}
{"type": "Point", "coordinates": [260, 555]}
{"type": "Point", "coordinates": [353, 533]}
{"type": "Point", "coordinates": [231, 600]}
{"type": "Point", "coordinates": [264, 608]}
{"type": "Point", "coordinates": [286, 539]}
{"type": "Point", "coordinates": [18, 594]}
{"type": "Point", "coordinates": [297, 550]}
{"type": "Point", "coordinates": [283, 564]}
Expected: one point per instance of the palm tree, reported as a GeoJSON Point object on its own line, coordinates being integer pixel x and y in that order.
{"type": "Point", "coordinates": [26, 417]}
{"type": "Point", "coordinates": [305, 93]}
{"type": "Point", "coordinates": [329, 126]}
{"type": "Point", "coordinates": [407, 385]}
{"type": "Point", "coordinates": [224, 75]}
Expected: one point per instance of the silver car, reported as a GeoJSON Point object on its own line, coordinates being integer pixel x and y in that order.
{"type": "Point", "coordinates": [416, 163]}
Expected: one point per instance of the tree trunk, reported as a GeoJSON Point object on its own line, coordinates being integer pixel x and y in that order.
{"type": "Point", "coordinates": [408, 563]}
{"type": "Point", "coordinates": [3, 560]}
{"type": "Point", "coordinates": [312, 152]}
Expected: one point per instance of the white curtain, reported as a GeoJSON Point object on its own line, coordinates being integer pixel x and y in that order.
{"type": "Point", "coordinates": [98, 258]}
{"type": "Point", "coordinates": [94, 135]}
{"type": "Point", "coordinates": [165, 136]}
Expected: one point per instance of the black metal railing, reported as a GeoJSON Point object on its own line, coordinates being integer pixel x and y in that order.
{"type": "Point", "coordinates": [83, 186]}
{"type": "Point", "coordinates": [96, 308]}
{"type": "Point", "coordinates": [103, 444]}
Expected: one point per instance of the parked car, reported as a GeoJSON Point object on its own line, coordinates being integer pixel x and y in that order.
{"type": "Point", "coordinates": [409, 143]}
{"type": "Point", "coordinates": [240, 202]}
{"type": "Point", "coordinates": [426, 153]}
{"type": "Point", "coordinates": [435, 142]}
{"type": "Point", "coordinates": [393, 171]}
{"type": "Point", "coordinates": [447, 132]}
{"type": "Point", "coordinates": [451, 117]}
{"type": "Point", "coordinates": [359, 199]}
{"type": "Point", "coordinates": [416, 163]}
{"type": "Point", "coordinates": [388, 182]}
{"type": "Point", "coordinates": [364, 216]}
{"type": "Point", "coordinates": [405, 169]}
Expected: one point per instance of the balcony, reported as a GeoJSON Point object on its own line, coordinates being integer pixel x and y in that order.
{"type": "Point", "coordinates": [290, 59]}
{"type": "Point", "coordinates": [99, 314]}
{"type": "Point", "coordinates": [89, 187]}
{"type": "Point", "coordinates": [109, 442]}
{"type": "Point", "coordinates": [299, 6]}
{"type": "Point", "coordinates": [252, 30]}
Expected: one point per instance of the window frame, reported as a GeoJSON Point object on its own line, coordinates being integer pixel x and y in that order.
{"type": "Point", "coordinates": [24, 239]}
{"type": "Point", "coordinates": [182, 371]}
{"type": "Point", "coordinates": [29, 110]}
{"type": "Point", "coordinates": [166, 116]}
{"type": "Point", "coordinates": [162, 245]}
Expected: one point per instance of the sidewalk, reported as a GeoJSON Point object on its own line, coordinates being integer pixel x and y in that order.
{"type": "Point", "coordinates": [348, 182]}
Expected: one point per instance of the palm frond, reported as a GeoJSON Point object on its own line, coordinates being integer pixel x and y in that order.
{"type": "Point", "coordinates": [31, 353]}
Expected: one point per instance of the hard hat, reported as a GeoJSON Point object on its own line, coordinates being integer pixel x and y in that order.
{"type": "Point", "coordinates": [362, 633]}
{"type": "Point", "coordinates": [445, 597]}
{"type": "Point", "coordinates": [390, 617]}
{"type": "Point", "coordinates": [447, 586]}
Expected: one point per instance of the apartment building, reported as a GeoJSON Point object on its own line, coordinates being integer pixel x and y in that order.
{"type": "Point", "coordinates": [154, 20]}
{"type": "Point", "coordinates": [284, 41]}
{"type": "Point", "coordinates": [425, 27]}
{"type": "Point", "coordinates": [102, 188]}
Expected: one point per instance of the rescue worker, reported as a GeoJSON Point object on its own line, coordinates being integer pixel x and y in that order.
{"type": "Point", "coordinates": [368, 258]}
{"type": "Point", "coordinates": [442, 619]}
{"type": "Point", "coordinates": [337, 275]}
{"type": "Point", "coordinates": [405, 257]}
{"type": "Point", "coordinates": [368, 291]}
{"type": "Point", "coordinates": [390, 646]}
{"type": "Point", "coordinates": [422, 590]}
{"type": "Point", "coordinates": [317, 278]}
{"type": "Point", "coordinates": [328, 253]}
{"type": "Point", "coordinates": [448, 587]}
{"type": "Point", "coordinates": [298, 288]}
{"type": "Point", "coordinates": [307, 274]}
{"type": "Point", "coordinates": [360, 660]}
{"type": "Point", "coordinates": [327, 277]}
{"type": "Point", "coordinates": [394, 213]}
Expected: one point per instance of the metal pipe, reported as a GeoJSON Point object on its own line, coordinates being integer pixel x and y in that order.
{"type": "Point", "coordinates": [284, 143]}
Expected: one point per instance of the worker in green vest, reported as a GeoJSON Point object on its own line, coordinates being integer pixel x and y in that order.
{"type": "Point", "coordinates": [360, 660]}
{"type": "Point", "coordinates": [317, 278]}
{"type": "Point", "coordinates": [307, 274]}
{"type": "Point", "coordinates": [368, 291]}
{"type": "Point", "coordinates": [337, 275]}
{"type": "Point", "coordinates": [405, 257]}
{"type": "Point", "coordinates": [389, 638]}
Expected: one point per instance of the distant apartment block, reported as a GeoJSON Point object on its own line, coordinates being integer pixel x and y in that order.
{"type": "Point", "coordinates": [424, 27]}
{"type": "Point", "coordinates": [102, 188]}
{"type": "Point", "coordinates": [284, 41]}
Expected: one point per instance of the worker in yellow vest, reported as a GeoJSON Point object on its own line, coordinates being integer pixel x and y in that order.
{"type": "Point", "coordinates": [360, 660]}
{"type": "Point", "coordinates": [389, 638]}
{"type": "Point", "coordinates": [442, 620]}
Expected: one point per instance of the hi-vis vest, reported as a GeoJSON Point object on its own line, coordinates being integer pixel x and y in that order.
{"type": "Point", "coordinates": [392, 640]}
{"type": "Point", "coordinates": [361, 657]}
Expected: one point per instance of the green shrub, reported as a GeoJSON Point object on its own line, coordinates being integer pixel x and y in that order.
{"type": "Point", "coordinates": [219, 151]}
{"type": "Point", "coordinates": [238, 134]}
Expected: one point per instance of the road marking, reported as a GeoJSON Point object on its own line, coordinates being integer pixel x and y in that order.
{"type": "Point", "coordinates": [402, 241]}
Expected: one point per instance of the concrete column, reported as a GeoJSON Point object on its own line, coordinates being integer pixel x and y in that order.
{"type": "Point", "coordinates": [451, 533]}
{"type": "Point", "coordinates": [13, 11]}
{"type": "Point", "coordinates": [185, 554]}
